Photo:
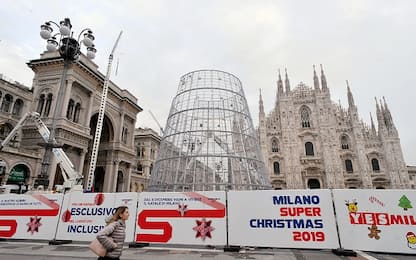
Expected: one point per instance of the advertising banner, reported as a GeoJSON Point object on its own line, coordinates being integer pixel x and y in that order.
{"type": "Point", "coordinates": [29, 216]}
{"type": "Point", "coordinates": [277, 218]}
{"type": "Point", "coordinates": [194, 218]}
{"type": "Point", "coordinates": [85, 214]}
{"type": "Point", "coordinates": [377, 220]}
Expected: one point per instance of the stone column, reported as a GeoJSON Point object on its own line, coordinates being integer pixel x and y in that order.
{"type": "Point", "coordinates": [108, 176]}
{"type": "Point", "coordinates": [128, 179]}
{"type": "Point", "coordinates": [121, 127]}
{"type": "Point", "coordinates": [68, 89]}
{"type": "Point", "coordinates": [115, 175]}
{"type": "Point", "coordinates": [88, 115]}
{"type": "Point", "coordinates": [81, 162]}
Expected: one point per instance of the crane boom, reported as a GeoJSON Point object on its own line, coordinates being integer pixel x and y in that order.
{"type": "Point", "coordinates": [157, 122]}
{"type": "Point", "coordinates": [72, 179]}
{"type": "Point", "coordinates": [94, 152]}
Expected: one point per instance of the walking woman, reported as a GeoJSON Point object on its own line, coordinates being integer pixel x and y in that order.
{"type": "Point", "coordinates": [113, 235]}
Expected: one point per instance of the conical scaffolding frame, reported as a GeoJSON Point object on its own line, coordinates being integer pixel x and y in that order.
{"type": "Point", "coordinates": [209, 142]}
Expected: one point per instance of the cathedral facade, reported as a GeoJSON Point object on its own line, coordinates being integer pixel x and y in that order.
{"type": "Point", "coordinates": [308, 141]}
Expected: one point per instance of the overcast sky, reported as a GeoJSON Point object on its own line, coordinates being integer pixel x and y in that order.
{"type": "Point", "coordinates": [370, 43]}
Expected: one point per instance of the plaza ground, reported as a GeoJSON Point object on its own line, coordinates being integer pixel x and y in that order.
{"type": "Point", "coordinates": [23, 250]}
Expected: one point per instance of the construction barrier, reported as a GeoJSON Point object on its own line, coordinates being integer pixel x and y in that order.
{"type": "Point", "coordinates": [285, 218]}
{"type": "Point", "coordinates": [84, 214]}
{"type": "Point", "coordinates": [377, 220]}
{"type": "Point", "coordinates": [29, 216]}
{"type": "Point", "coordinates": [192, 218]}
{"type": "Point", "coordinates": [368, 220]}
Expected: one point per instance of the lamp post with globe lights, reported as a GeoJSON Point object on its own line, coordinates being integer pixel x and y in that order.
{"type": "Point", "coordinates": [69, 49]}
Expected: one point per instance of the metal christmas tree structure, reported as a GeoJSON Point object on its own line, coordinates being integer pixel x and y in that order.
{"type": "Point", "coordinates": [209, 142]}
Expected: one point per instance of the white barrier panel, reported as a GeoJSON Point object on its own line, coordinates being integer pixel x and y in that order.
{"type": "Point", "coordinates": [290, 219]}
{"type": "Point", "coordinates": [84, 214]}
{"type": "Point", "coordinates": [29, 216]}
{"type": "Point", "coordinates": [377, 220]}
{"type": "Point", "coordinates": [194, 218]}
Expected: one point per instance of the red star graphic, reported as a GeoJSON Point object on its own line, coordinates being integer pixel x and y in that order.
{"type": "Point", "coordinates": [182, 208]}
{"type": "Point", "coordinates": [203, 229]}
{"type": "Point", "coordinates": [34, 224]}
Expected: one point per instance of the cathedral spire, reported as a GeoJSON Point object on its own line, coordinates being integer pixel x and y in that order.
{"type": "Point", "coordinates": [280, 84]}
{"type": "Point", "coordinates": [323, 79]}
{"type": "Point", "coordinates": [373, 128]}
{"type": "Point", "coordinates": [380, 119]}
{"type": "Point", "coordinates": [315, 79]}
{"type": "Point", "coordinates": [350, 97]}
{"type": "Point", "coordinates": [387, 115]}
{"type": "Point", "coordinates": [261, 106]}
{"type": "Point", "coordinates": [287, 83]}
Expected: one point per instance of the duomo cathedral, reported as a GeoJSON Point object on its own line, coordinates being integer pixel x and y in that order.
{"type": "Point", "coordinates": [308, 141]}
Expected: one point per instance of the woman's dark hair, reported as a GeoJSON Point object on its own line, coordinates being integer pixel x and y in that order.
{"type": "Point", "coordinates": [120, 210]}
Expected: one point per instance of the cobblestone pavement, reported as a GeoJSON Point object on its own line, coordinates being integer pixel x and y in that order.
{"type": "Point", "coordinates": [17, 250]}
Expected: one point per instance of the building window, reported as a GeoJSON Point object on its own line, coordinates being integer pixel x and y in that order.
{"type": "Point", "coordinates": [348, 166]}
{"type": "Point", "coordinates": [276, 168]}
{"type": "Point", "coordinates": [70, 109]}
{"type": "Point", "coordinates": [314, 184]}
{"type": "Point", "coordinates": [124, 135]}
{"type": "Point", "coordinates": [17, 108]}
{"type": "Point", "coordinates": [5, 130]}
{"type": "Point", "coordinates": [309, 148]}
{"type": "Point", "coordinates": [275, 146]}
{"type": "Point", "coordinates": [305, 118]}
{"type": "Point", "coordinates": [139, 168]}
{"type": "Point", "coordinates": [345, 143]}
{"type": "Point", "coordinates": [7, 101]}
{"type": "Point", "coordinates": [41, 103]}
{"type": "Point", "coordinates": [48, 105]}
{"type": "Point", "coordinates": [76, 112]}
{"type": "Point", "coordinates": [375, 165]}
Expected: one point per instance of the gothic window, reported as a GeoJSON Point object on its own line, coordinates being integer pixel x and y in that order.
{"type": "Point", "coordinates": [305, 117]}
{"type": "Point", "coordinates": [275, 146]}
{"type": "Point", "coordinates": [348, 166]}
{"type": "Point", "coordinates": [151, 168]}
{"type": "Point", "coordinates": [48, 105]}
{"type": "Point", "coordinates": [70, 109]}
{"type": "Point", "coordinates": [41, 103]}
{"type": "Point", "coordinates": [375, 165]}
{"type": "Point", "coordinates": [314, 184]}
{"type": "Point", "coordinates": [77, 110]}
{"type": "Point", "coordinates": [7, 101]}
{"type": "Point", "coordinates": [276, 168]}
{"type": "Point", "coordinates": [345, 142]}
{"type": "Point", "coordinates": [17, 108]}
{"type": "Point", "coordinates": [139, 168]}
{"type": "Point", "coordinates": [309, 148]}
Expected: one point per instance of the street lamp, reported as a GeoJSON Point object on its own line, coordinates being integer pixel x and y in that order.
{"type": "Point", "coordinates": [69, 49]}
